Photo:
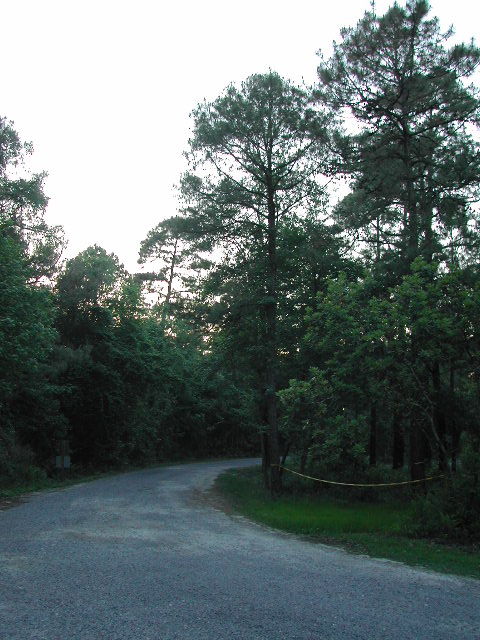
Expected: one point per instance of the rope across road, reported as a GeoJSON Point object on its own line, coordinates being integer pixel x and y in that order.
{"type": "Point", "coordinates": [352, 484]}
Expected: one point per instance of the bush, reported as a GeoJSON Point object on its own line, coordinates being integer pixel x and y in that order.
{"type": "Point", "coordinates": [17, 467]}
{"type": "Point", "coordinates": [451, 515]}
{"type": "Point", "coordinates": [340, 451]}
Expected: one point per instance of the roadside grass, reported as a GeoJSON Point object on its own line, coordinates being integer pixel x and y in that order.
{"type": "Point", "coordinates": [376, 529]}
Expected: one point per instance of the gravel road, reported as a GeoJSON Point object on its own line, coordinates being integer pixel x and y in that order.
{"type": "Point", "coordinates": [145, 555]}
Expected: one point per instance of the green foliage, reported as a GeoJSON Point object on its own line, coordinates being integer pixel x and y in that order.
{"type": "Point", "coordinates": [22, 207]}
{"type": "Point", "coordinates": [134, 393]}
{"type": "Point", "coordinates": [413, 161]}
{"type": "Point", "coordinates": [18, 466]}
{"type": "Point", "coordinates": [341, 448]}
{"type": "Point", "coordinates": [30, 418]}
{"type": "Point", "coordinates": [451, 511]}
{"type": "Point", "coordinates": [29, 411]}
{"type": "Point", "coordinates": [413, 351]}
{"type": "Point", "coordinates": [174, 262]}
{"type": "Point", "coordinates": [252, 144]}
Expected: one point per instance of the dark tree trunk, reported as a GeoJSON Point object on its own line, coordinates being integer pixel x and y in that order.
{"type": "Point", "coordinates": [418, 454]}
{"type": "Point", "coordinates": [439, 418]}
{"type": "Point", "coordinates": [455, 447]}
{"type": "Point", "coordinates": [373, 435]}
{"type": "Point", "coordinates": [306, 442]}
{"type": "Point", "coordinates": [303, 460]}
{"type": "Point", "coordinates": [398, 441]}
{"type": "Point", "coordinates": [284, 457]}
{"type": "Point", "coordinates": [271, 344]}
{"type": "Point", "coordinates": [410, 208]}
{"type": "Point", "coordinates": [274, 449]}
{"type": "Point", "coordinates": [455, 431]}
{"type": "Point", "coordinates": [166, 304]}
{"type": "Point", "coordinates": [265, 460]}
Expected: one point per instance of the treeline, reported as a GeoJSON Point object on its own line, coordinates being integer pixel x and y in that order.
{"type": "Point", "coordinates": [84, 360]}
{"type": "Point", "coordinates": [345, 336]}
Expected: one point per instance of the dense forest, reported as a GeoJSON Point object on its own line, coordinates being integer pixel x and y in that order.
{"type": "Point", "coordinates": [316, 296]}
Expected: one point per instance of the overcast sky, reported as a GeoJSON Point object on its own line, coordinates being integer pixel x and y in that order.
{"type": "Point", "coordinates": [104, 90]}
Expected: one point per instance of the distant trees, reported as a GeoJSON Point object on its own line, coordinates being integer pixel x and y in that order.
{"type": "Point", "coordinates": [165, 250]}
{"type": "Point", "coordinates": [84, 359]}
{"type": "Point", "coordinates": [135, 393]}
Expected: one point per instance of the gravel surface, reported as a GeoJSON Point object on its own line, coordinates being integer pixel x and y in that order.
{"type": "Point", "coordinates": [145, 555]}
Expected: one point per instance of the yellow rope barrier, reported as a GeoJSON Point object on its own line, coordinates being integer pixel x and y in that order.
{"type": "Point", "coordinates": [351, 484]}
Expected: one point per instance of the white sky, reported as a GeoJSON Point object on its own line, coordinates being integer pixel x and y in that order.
{"type": "Point", "coordinates": [104, 88]}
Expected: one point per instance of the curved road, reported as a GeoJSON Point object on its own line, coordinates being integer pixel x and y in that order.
{"type": "Point", "coordinates": [144, 555]}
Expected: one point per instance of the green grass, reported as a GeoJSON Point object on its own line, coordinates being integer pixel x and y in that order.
{"type": "Point", "coordinates": [376, 529]}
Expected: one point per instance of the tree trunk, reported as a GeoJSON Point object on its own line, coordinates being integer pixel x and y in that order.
{"type": "Point", "coordinates": [284, 457]}
{"type": "Point", "coordinates": [418, 454]}
{"type": "Point", "coordinates": [271, 343]}
{"type": "Point", "coordinates": [398, 441]}
{"type": "Point", "coordinates": [410, 222]}
{"type": "Point", "coordinates": [373, 435]}
{"type": "Point", "coordinates": [439, 418]}
{"type": "Point", "coordinates": [454, 429]}
{"type": "Point", "coordinates": [265, 460]}
{"type": "Point", "coordinates": [306, 442]}
{"type": "Point", "coordinates": [166, 304]}
{"type": "Point", "coordinates": [274, 449]}
{"type": "Point", "coordinates": [303, 459]}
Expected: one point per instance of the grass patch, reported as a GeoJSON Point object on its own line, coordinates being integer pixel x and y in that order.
{"type": "Point", "coordinates": [376, 529]}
